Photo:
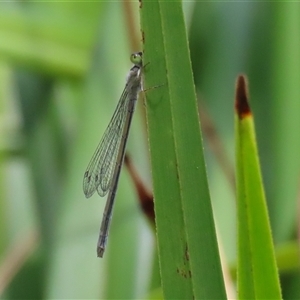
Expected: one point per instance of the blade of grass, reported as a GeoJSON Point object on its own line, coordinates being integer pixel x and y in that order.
{"type": "Point", "coordinates": [285, 74]}
{"type": "Point", "coordinates": [171, 237]}
{"type": "Point", "coordinates": [188, 252]}
{"type": "Point", "coordinates": [257, 271]}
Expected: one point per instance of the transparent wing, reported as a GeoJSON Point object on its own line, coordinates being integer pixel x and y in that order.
{"type": "Point", "coordinates": [99, 172]}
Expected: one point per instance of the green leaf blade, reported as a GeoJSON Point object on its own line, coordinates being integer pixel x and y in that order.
{"type": "Point", "coordinates": [174, 268]}
{"type": "Point", "coordinates": [257, 270]}
{"type": "Point", "coordinates": [185, 229]}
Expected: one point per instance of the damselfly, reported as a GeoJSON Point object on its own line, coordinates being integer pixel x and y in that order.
{"type": "Point", "coordinates": [103, 171]}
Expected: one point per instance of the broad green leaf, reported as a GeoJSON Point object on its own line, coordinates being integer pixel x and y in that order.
{"type": "Point", "coordinates": [188, 252]}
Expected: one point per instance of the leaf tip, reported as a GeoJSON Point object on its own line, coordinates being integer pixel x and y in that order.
{"type": "Point", "coordinates": [241, 97]}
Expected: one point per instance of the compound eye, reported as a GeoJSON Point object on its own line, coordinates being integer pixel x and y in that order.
{"type": "Point", "coordinates": [136, 58]}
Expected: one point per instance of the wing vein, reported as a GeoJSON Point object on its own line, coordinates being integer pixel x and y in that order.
{"type": "Point", "coordinates": [99, 172]}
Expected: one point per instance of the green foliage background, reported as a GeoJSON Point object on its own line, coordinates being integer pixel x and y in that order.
{"type": "Point", "coordinates": [62, 69]}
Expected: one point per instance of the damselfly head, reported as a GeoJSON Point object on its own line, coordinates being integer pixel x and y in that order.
{"type": "Point", "coordinates": [136, 58]}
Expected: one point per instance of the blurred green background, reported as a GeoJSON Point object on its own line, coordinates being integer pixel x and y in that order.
{"type": "Point", "coordinates": [62, 69]}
